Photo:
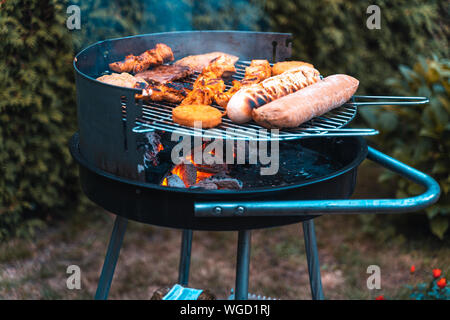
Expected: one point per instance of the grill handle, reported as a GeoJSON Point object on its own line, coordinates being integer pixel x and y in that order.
{"type": "Point", "coordinates": [386, 101]}
{"type": "Point", "coordinates": [320, 207]}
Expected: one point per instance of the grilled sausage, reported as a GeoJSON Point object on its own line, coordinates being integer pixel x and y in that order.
{"type": "Point", "coordinates": [312, 101]}
{"type": "Point", "coordinates": [239, 108]}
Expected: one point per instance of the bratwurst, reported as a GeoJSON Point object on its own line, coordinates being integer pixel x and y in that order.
{"type": "Point", "coordinates": [298, 107]}
{"type": "Point", "coordinates": [241, 104]}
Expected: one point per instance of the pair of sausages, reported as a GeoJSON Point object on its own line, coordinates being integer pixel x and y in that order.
{"type": "Point", "coordinates": [291, 109]}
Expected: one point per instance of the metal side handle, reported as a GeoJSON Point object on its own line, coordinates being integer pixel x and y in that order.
{"type": "Point", "coordinates": [386, 100]}
{"type": "Point", "coordinates": [320, 207]}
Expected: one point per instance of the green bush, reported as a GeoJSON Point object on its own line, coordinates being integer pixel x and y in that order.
{"type": "Point", "coordinates": [37, 90]}
{"type": "Point", "coordinates": [419, 135]}
{"type": "Point", "coordinates": [332, 34]}
{"type": "Point", "coordinates": [38, 105]}
{"type": "Point", "coordinates": [37, 114]}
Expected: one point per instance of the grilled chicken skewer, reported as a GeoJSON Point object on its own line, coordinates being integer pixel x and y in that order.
{"type": "Point", "coordinates": [154, 57]}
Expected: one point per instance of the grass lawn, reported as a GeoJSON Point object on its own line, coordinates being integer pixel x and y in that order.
{"type": "Point", "coordinates": [36, 268]}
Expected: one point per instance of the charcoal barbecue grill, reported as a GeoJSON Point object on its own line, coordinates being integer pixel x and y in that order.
{"type": "Point", "coordinates": [113, 171]}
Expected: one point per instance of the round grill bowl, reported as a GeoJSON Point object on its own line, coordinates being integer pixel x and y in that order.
{"type": "Point", "coordinates": [174, 207]}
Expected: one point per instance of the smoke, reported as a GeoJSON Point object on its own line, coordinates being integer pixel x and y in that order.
{"type": "Point", "coordinates": [103, 19]}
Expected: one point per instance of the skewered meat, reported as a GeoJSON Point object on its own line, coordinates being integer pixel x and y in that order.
{"type": "Point", "coordinates": [199, 62]}
{"type": "Point", "coordinates": [165, 73]}
{"type": "Point", "coordinates": [258, 71]}
{"type": "Point", "coordinates": [156, 56]}
{"type": "Point", "coordinates": [123, 80]}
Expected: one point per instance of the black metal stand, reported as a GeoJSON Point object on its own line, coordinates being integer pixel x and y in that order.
{"type": "Point", "coordinates": [242, 264]}
{"type": "Point", "coordinates": [185, 257]}
{"type": "Point", "coordinates": [112, 254]}
{"type": "Point", "coordinates": [312, 256]}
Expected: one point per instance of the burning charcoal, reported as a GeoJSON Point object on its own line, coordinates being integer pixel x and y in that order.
{"type": "Point", "coordinates": [205, 185]}
{"type": "Point", "coordinates": [224, 182]}
{"type": "Point", "coordinates": [152, 147]}
{"type": "Point", "coordinates": [212, 168]}
{"type": "Point", "coordinates": [175, 181]}
{"type": "Point", "coordinates": [188, 174]}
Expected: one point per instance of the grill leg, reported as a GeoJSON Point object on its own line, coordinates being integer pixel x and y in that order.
{"type": "Point", "coordinates": [313, 260]}
{"type": "Point", "coordinates": [243, 265]}
{"type": "Point", "coordinates": [185, 257]}
{"type": "Point", "coordinates": [112, 254]}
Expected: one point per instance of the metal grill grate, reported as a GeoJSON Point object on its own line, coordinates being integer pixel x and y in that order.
{"type": "Point", "coordinates": [158, 116]}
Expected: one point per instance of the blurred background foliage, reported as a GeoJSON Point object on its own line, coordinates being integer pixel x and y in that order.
{"type": "Point", "coordinates": [332, 34]}
{"type": "Point", "coordinates": [37, 90]}
{"type": "Point", "coordinates": [419, 135]}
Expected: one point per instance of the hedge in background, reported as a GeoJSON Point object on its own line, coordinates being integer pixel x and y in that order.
{"type": "Point", "coordinates": [332, 34]}
{"type": "Point", "coordinates": [37, 92]}
{"type": "Point", "coordinates": [37, 112]}
{"type": "Point", "coordinates": [419, 135]}
{"type": "Point", "coordinates": [38, 107]}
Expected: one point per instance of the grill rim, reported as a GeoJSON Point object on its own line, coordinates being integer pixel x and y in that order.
{"type": "Point", "coordinates": [106, 42]}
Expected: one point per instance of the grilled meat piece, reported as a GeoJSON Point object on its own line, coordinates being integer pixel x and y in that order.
{"type": "Point", "coordinates": [281, 67]}
{"type": "Point", "coordinates": [209, 82]}
{"type": "Point", "coordinates": [204, 92]}
{"type": "Point", "coordinates": [258, 71]}
{"type": "Point", "coordinates": [156, 56]}
{"type": "Point", "coordinates": [123, 80]}
{"type": "Point", "coordinates": [201, 61]}
{"type": "Point", "coordinates": [165, 73]}
{"type": "Point", "coordinates": [221, 67]}
{"type": "Point", "coordinates": [164, 92]}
